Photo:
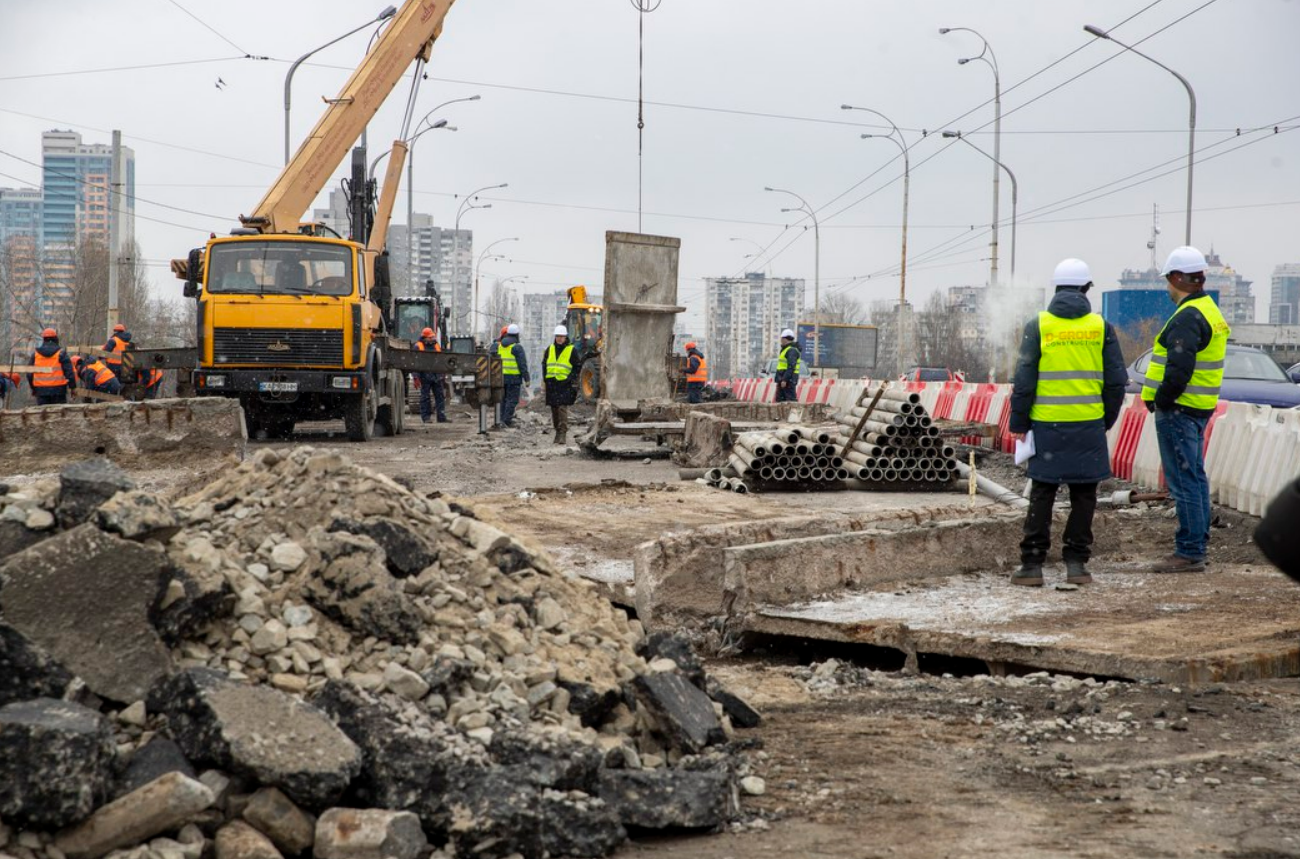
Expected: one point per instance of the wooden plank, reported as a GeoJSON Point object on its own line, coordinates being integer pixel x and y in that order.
{"type": "Point", "coordinates": [26, 368]}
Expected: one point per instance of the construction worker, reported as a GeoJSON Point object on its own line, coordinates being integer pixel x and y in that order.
{"type": "Point", "coordinates": [431, 383]}
{"type": "Point", "coordinates": [8, 382]}
{"type": "Point", "coordinates": [514, 367]}
{"type": "Point", "coordinates": [789, 367]}
{"type": "Point", "coordinates": [1182, 389]}
{"type": "Point", "coordinates": [560, 367]}
{"type": "Point", "coordinates": [697, 372]}
{"type": "Point", "coordinates": [150, 382]}
{"type": "Point", "coordinates": [1069, 390]}
{"type": "Point", "coordinates": [96, 375]}
{"type": "Point", "coordinates": [117, 344]}
{"type": "Point", "coordinates": [51, 383]}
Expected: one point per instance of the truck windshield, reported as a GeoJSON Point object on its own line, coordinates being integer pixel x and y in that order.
{"type": "Point", "coordinates": [279, 268]}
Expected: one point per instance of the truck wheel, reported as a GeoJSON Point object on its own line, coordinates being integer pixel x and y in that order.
{"type": "Point", "coordinates": [390, 417]}
{"type": "Point", "coordinates": [589, 382]}
{"type": "Point", "coordinates": [359, 416]}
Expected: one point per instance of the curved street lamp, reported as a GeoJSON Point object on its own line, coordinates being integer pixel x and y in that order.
{"type": "Point", "coordinates": [817, 270]}
{"type": "Point", "coordinates": [1015, 192]}
{"type": "Point", "coordinates": [478, 265]}
{"type": "Point", "coordinates": [466, 205]}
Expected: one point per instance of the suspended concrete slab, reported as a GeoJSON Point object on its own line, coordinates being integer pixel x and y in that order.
{"type": "Point", "coordinates": [1233, 623]}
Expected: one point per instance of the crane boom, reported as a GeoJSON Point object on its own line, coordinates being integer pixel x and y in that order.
{"type": "Point", "coordinates": [409, 35]}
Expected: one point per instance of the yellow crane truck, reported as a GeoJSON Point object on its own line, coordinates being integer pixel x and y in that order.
{"type": "Point", "coordinates": [295, 320]}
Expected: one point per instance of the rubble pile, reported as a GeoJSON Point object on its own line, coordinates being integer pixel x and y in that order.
{"type": "Point", "coordinates": [305, 658]}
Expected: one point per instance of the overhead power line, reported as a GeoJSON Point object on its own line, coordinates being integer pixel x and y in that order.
{"type": "Point", "coordinates": [107, 69]}
{"type": "Point", "coordinates": [210, 28]}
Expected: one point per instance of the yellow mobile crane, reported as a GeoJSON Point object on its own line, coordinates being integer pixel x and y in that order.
{"type": "Point", "coordinates": [294, 322]}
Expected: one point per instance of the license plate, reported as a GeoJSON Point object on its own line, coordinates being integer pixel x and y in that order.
{"type": "Point", "coordinates": [278, 387]}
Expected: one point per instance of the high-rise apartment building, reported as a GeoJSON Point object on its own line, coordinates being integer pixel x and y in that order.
{"type": "Point", "coordinates": [743, 320]}
{"type": "Point", "coordinates": [21, 211]}
{"type": "Point", "coordinates": [1236, 299]}
{"type": "Point", "coordinates": [1284, 297]}
{"type": "Point", "coordinates": [440, 255]}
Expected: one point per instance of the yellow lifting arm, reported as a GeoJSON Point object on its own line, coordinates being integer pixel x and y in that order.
{"type": "Point", "coordinates": [410, 35]}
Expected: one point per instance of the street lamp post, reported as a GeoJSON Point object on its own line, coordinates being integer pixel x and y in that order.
{"type": "Point", "coordinates": [901, 143]}
{"type": "Point", "coordinates": [758, 248]}
{"type": "Point", "coordinates": [992, 62]}
{"type": "Point", "coordinates": [288, 78]}
{"type": "Point", "coordinates": [1191, 117]}
{"type": "Point", "coordinates": [817, 271]}
{"type": "Point", "coordinates": [478, 267]}
{"type": "Point", "coordinates": [465, 205]}
{"type": "Point", "coordinates": [1015, 193]}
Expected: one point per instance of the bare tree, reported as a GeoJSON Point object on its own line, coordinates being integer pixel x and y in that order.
{"type": "Point", "coordinates": [844, 309]}
{"type": "Point", "coordinates": [946, 337]}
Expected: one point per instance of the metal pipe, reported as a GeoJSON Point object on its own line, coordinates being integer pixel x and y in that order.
{"type": "Point", "coordinates": [765, 472]}
{"type": "Point", "coordinates": [778, 473]}
{"type": "Point", "coordinates": [990, 489]}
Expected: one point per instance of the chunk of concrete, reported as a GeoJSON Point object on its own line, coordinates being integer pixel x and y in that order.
{"type": "Point", "coordinates": [238, 840]}
{"type": "Point", "coordinates": [550, 760]}
{"type": "Point", "coordinates": [85, 596]}
{"type": "Point", "coordinates": [163, 805]}
{"type": "Point", "coordinates": [192, 597]}
{"type": "Point", "coordinates": [355, 589]}
{"type": "Point", "coordinates": [85, 485]}
{"type": "Point", "coordinates": [28, 671]}
{"type": "Point", "coordinates": [56, 762]}
{"type": "Point", "coordinates": [668, 798]}
{"type": "Point", "coordinates": [706, 442]}
{"type": "Point", "coordinates": [15, 536]}
{"type": "Point", "coordinates": [741, 714]}
{"type": "Point", "coordinates": [371, 833]}
{"type": "Point", "coordinates": [152, 761]}
{"type": "Point", "coordinates": [579, 825]}
{"type": "Point", "coordinates": [137, 515]}
{"type": "Point", "coordinates": [495, 812]}
{"type": "Point", "coordinates": [674, 645]}
{"type": "Point", "coordinates": [290, 828]}
{"type": "Point", "coordinates": [684, 714]}
{"type": "Point", "coordinates": [589, 704]}
{"type": "Point", "coordinates": [408, 553]}
{"type": "Point", "coordinates": [245, 729]}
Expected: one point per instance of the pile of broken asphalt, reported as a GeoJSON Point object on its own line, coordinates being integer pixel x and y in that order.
{"type": "Point", "coordinates": [304, 658]}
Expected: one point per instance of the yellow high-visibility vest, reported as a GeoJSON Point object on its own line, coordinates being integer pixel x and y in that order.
{"type": "Point", "coordinates": [1202, 390]}
{"type": "Point", "coordinates": [559, 367]}
{"type": "Point", "coordinates": [509, 366]}
{"type": "Point", "coordinates": [1070, 369]}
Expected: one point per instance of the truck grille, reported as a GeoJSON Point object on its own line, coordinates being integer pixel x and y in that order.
{"type": "Point", "coordinates": [278, 346]}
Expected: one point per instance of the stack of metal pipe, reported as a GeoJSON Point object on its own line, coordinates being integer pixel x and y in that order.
{"type": "Point", "coordinates": [798, 457]}
{"type": "Point", "coordinates": [899, 443]}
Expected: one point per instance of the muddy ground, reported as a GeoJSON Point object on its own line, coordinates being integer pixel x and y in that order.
{"type": "Point", "coordinates": [861, 760]}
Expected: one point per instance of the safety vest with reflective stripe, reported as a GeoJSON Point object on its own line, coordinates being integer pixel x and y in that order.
{"type": "Point", "coordinates": [509, 366]}
{"type": "Point", "coordinates": [559, 367]}
{"type": "Point", "coordinates": [701, 373]}
{"type": "Point", "coordinates": [783, 361]}
{"type": "Point", "coordinates": [51, 373]}
{"type": "Point", "coordinates": [1202, 390]}
{"type": "Point", "coordinates": [1069, 369]}
{"type": "Point", "coordinates": [103, 375]}
{"type": "Point", "coordinates": [419, 344]}
{"type": "Point", "coordinates": [117, 346]}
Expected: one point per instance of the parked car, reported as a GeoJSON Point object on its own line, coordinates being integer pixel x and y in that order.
{"type": "Point", "coordinates": [928, 374]}
{"type": "Point", "coordinates": [1294, 373]}
{"type": "Point", "coordinates": [1249, 376]}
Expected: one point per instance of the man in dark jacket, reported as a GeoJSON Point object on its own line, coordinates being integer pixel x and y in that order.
{"type": "Point", "coordinates": [51, 384]}
{"type": "Point", "coordinates": [560, 365]}
{"type": "Point", "coordinates": [514, 368]}
{"type": "Point", "coordinates": [789, 366]}
{"type": "Point", "coordinates": [1182, 389]}
{"type": "Point", "coordinates": [432, 396]}
{"type": "Point", "coordinates": [1069, 389]}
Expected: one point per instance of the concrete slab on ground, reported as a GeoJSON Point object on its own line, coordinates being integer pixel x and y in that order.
{"type": "Point", "coordinates": [1235, 623]}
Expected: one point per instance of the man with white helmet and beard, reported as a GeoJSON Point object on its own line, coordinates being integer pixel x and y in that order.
{"type": "Point", "coordinates": [789, 367]}
{"type": "Point", "coordinates": [560, 367]}
{"type": "Point", "coordinates": [1069, 389]}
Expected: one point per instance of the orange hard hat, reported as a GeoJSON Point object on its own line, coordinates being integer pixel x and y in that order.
{"type": "Point", "coordinates": [49, 334]}
{"type": "Point", "coordinates": [503, 330]}
{"type": "Point", "coordinates": [119, 327]}
{"type": "Point", "coordinates": [428, 332]}
{"type": "Point", "coordinates": [690, 345]}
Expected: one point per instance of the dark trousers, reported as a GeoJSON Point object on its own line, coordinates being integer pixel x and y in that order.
{"type": "Point", "coordinates": [510, 401]}
{"type": "Point", "coordinates": [52, 396]}
{"type": "Point", "coordinates": [1078, 527]}
{"type": "Point", "coordinates": [694, 392]}
{"type": "Point", "coordinates": [431, 387]}
{"type": "Point", "coordinates": [789, 393]}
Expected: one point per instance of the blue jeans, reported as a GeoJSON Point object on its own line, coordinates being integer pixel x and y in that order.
{"type": "Point", "coordinates": [1182, 452]}
{"type": "Point", "coordinates": [509, 402]}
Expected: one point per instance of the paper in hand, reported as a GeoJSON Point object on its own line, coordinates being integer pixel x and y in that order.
{"type": "Point", "coordinates": [1025, 449]}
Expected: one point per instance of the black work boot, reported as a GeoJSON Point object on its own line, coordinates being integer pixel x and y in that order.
{"type": "Point", "coordinates": [1076, 573]}
{"type": "Point", "coordinates": [1029, 574]}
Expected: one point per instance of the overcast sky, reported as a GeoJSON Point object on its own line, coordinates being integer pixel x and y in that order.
{"type": "Point", "coordinates": [747, 93]}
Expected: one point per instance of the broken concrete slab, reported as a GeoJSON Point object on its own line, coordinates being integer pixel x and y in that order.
{"type": "Point", "coordinates": [370, 833]}
{"type": "Point", "coordinates": [740, 713]}
{"type": "Point", "coordinates": [706, 443]}
{"type": "Point", "coordinates": [354, 587]}
{"type": "Point", "coordinates": [56, 762]}
{"type": "Point", "coordinates": [137, 515]}
{"type": "Point", "coordinates": [579, 825]}
{"type": "Point", "coordinates": [676, 646]}
{"type": "Point", "coordinates": [238, 727]}
{"type": "Point", "coordinates": [668, 799]}
{"type": "Point", "coordinates": [1230, 624]}
{"type": "Point", "coordinates": [193, 596]}
{"type": "Point", "coordinates": [160, 806]}
{"type": "Point", "coordinates": [406, 551]}
{"type": "Point", "coordinates": [494, 812]}
{"type": "Point", "coordinates": [28, 671]}
{"type": "Point", "coordinates": [85, 485]}
{"type": "Point", "coordinates": [84, 596]}
{"type": "Point", "coordinates": [683, 713]}
{"type": "Point", "coordinates": [550, 760]}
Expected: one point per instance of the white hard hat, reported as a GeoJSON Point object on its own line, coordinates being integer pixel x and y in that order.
{"type": "Point", "coordinates": [512, 328]}
{"type": "Point", "coordinates": [1186, 259]}
{"type": "Point", "coordinates": [561, 331]}
{"type": "Point", "coordinates": [786, 332]}
{"type": "Point", "coordinates": [1071, 272]}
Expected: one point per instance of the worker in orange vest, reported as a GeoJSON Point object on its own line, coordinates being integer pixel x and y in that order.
{"type": "Point", "coordinates": [97, 376]}
{"type": "Point", "coordinates": [697, 372]}
{"type": "Point", "coordinates": [8, 382]}
{"type": "Point", "coordinates": [51, 382]}
{"type": "Point", "coordinates": [116, 345]}
{"type": "Point", "coordinates": [150, 382]}
{"type": "Point", "coordinates": [431, 382]}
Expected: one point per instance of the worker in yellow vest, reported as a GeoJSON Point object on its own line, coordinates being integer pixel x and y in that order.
{"type": "Point", "coordinates": [789, 367]}
{"type": "Point", "coordinates": [514, 369]}
{"type": "Point", "coordinates": [560, 364]}
{"type": "Point", "coordinates": [697, 372]}
{"type": "Point", "coordinates": [1182, 389]}
{"type": "Point", "coordinates": [1069, 389]}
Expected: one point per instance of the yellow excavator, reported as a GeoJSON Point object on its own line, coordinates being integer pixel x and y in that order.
{"type": "Point", "coordinates": [295, 321]}
{"type": "Point", "coordinates": [586, 324]}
